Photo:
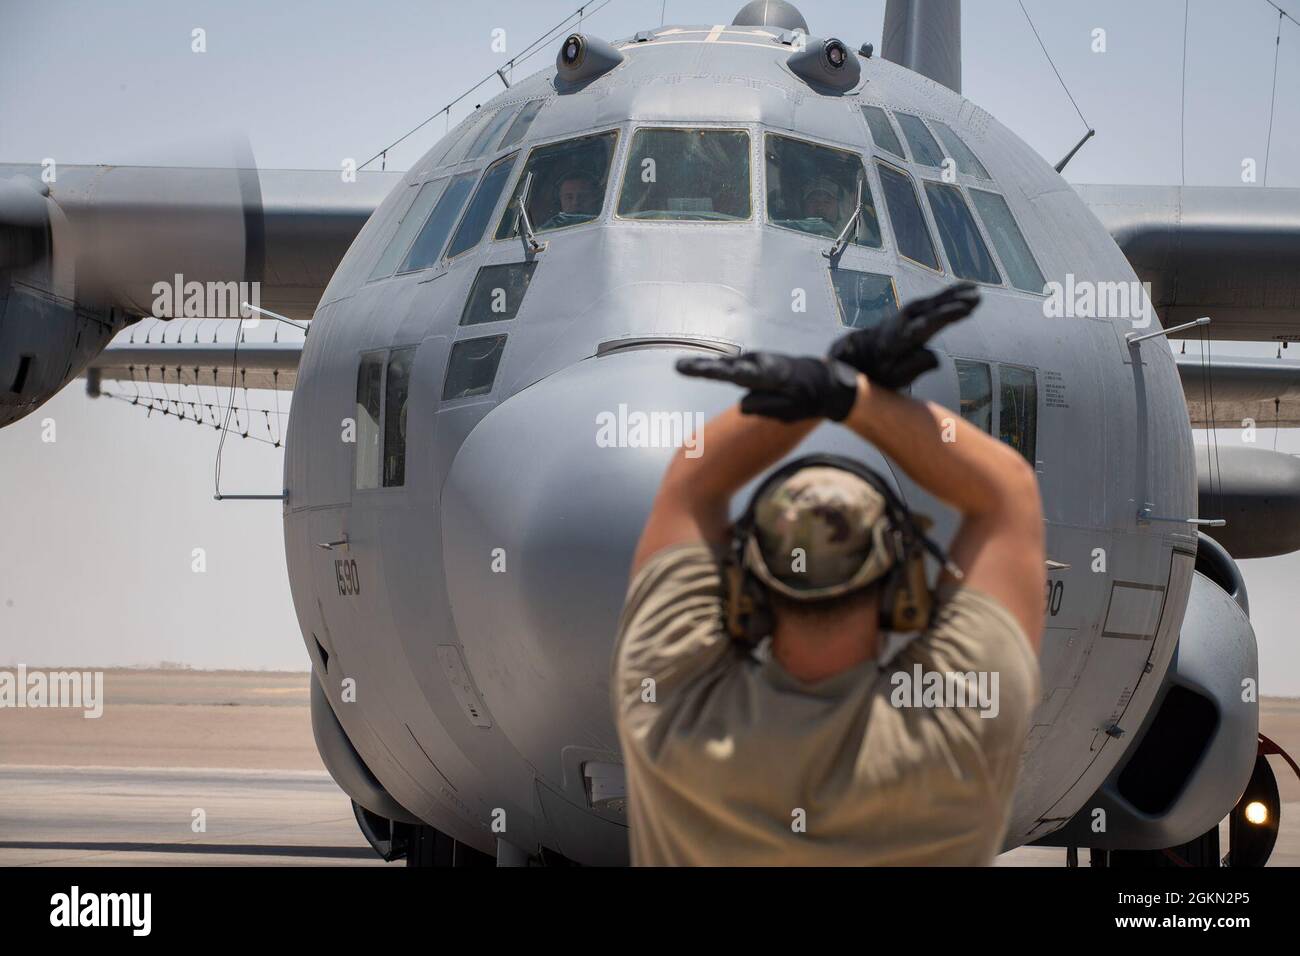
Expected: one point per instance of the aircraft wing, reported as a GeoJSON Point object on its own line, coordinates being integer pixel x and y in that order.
{"type": "Point", "coordinates": [88, 251]}
{"type": "Point", "coordinates": [1232, 389]}
{"type": "Point", "coordinates": [268, 365]}
{"type": "Point", "coordinates": [107, 234]}
{"type": "Point", "coordinates": [1227, 252]}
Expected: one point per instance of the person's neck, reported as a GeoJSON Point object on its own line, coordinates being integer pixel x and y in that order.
{"type": "Point", "coordinates": [824, 655]}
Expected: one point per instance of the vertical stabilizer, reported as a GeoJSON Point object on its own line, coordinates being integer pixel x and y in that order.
{"type": "Point", "coordinates": [925, 36]}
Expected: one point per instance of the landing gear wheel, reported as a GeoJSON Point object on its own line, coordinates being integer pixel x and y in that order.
{"type": "Point", "coordinates": [1253, 823]}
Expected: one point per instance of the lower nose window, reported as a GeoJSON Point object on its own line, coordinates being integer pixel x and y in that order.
{"type": "Point", "coordinates": [472, 367]}
{"type": "Point", "coordinates": [864, 298]}
{"type": "Point", "coordinates": [497, 293]}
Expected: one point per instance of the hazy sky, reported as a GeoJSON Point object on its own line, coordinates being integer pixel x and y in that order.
{"type": "Point", "coordinates": [97, 529]}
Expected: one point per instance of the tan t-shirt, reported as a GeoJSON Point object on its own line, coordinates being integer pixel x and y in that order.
{"type": "Point", "coordinates": [732, 761]}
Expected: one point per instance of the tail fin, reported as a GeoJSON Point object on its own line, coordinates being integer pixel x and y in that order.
{"type": "Point", "coordinates": [925, 36]}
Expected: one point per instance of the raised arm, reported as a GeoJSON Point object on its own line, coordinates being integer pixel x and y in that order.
{"type": "Point", "coordinates": [742, 442]}
{"type": "Point", "coordinates": [694, 497]}
{"type": "Point", "coordinates": [999, 546]}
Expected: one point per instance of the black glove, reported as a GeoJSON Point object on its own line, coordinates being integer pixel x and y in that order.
{"type": "Point", "coordinates": [784, 387]}
{"type": "Point", "coordinates": [893, 353]}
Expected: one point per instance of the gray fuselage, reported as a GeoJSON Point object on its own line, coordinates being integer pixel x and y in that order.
{"type": "Point", "coordinates": [474, 605]}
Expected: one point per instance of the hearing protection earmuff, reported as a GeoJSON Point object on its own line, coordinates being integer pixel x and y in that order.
{"type": "Point", "coordinates": [906, 602]}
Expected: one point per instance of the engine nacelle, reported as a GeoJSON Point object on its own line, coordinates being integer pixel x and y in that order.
{"type": "Point", "coordinates": [45, 342]}
{"type": "Point", "coordinates": [1257, 492]}
{"type": "Point", "coordinates": [106, 245]}
{"type": "Point", "coordinates": [1195, 752]}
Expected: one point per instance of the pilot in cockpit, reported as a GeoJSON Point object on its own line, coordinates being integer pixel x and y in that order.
{"type": "Point", "coordinates": [822, 199]}
{"type": "Point", "coordinates": [578, 200]}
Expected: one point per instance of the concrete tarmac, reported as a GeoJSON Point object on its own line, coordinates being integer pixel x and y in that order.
{"type": "Point", "coordinates": [123, 789]}
{"type": "Point", "coordinates": [196, 768]}
{"type": "Point", "coordinates": [115, 816]}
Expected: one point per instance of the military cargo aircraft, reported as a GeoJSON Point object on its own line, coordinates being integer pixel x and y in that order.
{"type": "Point", "coordinates": [486, 401]}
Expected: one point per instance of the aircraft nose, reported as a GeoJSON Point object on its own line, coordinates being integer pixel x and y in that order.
{"type": "Point", "coordinates": [541, 512]}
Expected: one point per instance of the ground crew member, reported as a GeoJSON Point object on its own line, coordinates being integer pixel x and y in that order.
{"type": "Point", "coordinates": [808, 750]}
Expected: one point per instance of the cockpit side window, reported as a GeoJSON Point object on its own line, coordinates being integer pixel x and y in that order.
{"type": "Point", "coordinates": [1008, 240]}
{"type": "Point", "coordinates": [491, 130]}
{"type": "Point", "coordinates": [815, 189]}
{"type": "Point", "coordinates": [568, 187]}
{"type": "Point", "coordinates": [967, 162]}
{"type": "Point", "coordinates": [428, 244]}
{"type": "Point", "coordinates": [911, 233]}
{"type": "Point", "coordinates": [882, 131]}
{"type": "Point", "coordinates": [370, 392]}
{"type": "Point", "coordinates": [445, 145]}
{"type": "Point", "coordinates": [381, 418]}
{"type": "Point", "coordinates": [687, 174]}
{"type": "Point", "coordinates": [456, 149]}
{"type": "Point", "coordinates": [519, 128]}
{"type": "Point", "coordinates": [975, 390]}
{"type": "Point", "coordinates": [967, 254]}
{"type": "Point", "coordinates": [924, 149]}
{"type": "Point", "coordinates": [397, 390]}
{"type": "Point", "coordinates": [410, 222]}
{"type": "Point", "coordinates": [479, 211]}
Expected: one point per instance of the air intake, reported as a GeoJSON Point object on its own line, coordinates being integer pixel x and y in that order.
{"type": "Point", "coordinates": [1170, 750]}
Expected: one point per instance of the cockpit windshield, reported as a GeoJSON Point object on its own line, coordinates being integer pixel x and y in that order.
{"type": "Point", "coordinates": [568, 186]}
{"type": "Point", "coordinates": [815, 189]}
{"type": "Point", "coordinates": [687, 174]}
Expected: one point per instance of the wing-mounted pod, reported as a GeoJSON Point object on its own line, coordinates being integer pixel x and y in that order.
{"type": "Point", "coordinates": [828, 66]}
{"type": "Point", "coordinates": [582, 59]}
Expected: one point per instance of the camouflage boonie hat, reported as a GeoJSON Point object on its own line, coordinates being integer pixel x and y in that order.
{"type": "Point", "coordinates": [820, 533]}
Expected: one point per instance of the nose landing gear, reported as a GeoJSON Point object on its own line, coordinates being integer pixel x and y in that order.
{"type": "Point", "coordinates": [418, 844]}
{"type": "Point", "coordinates": [1253, 823]}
